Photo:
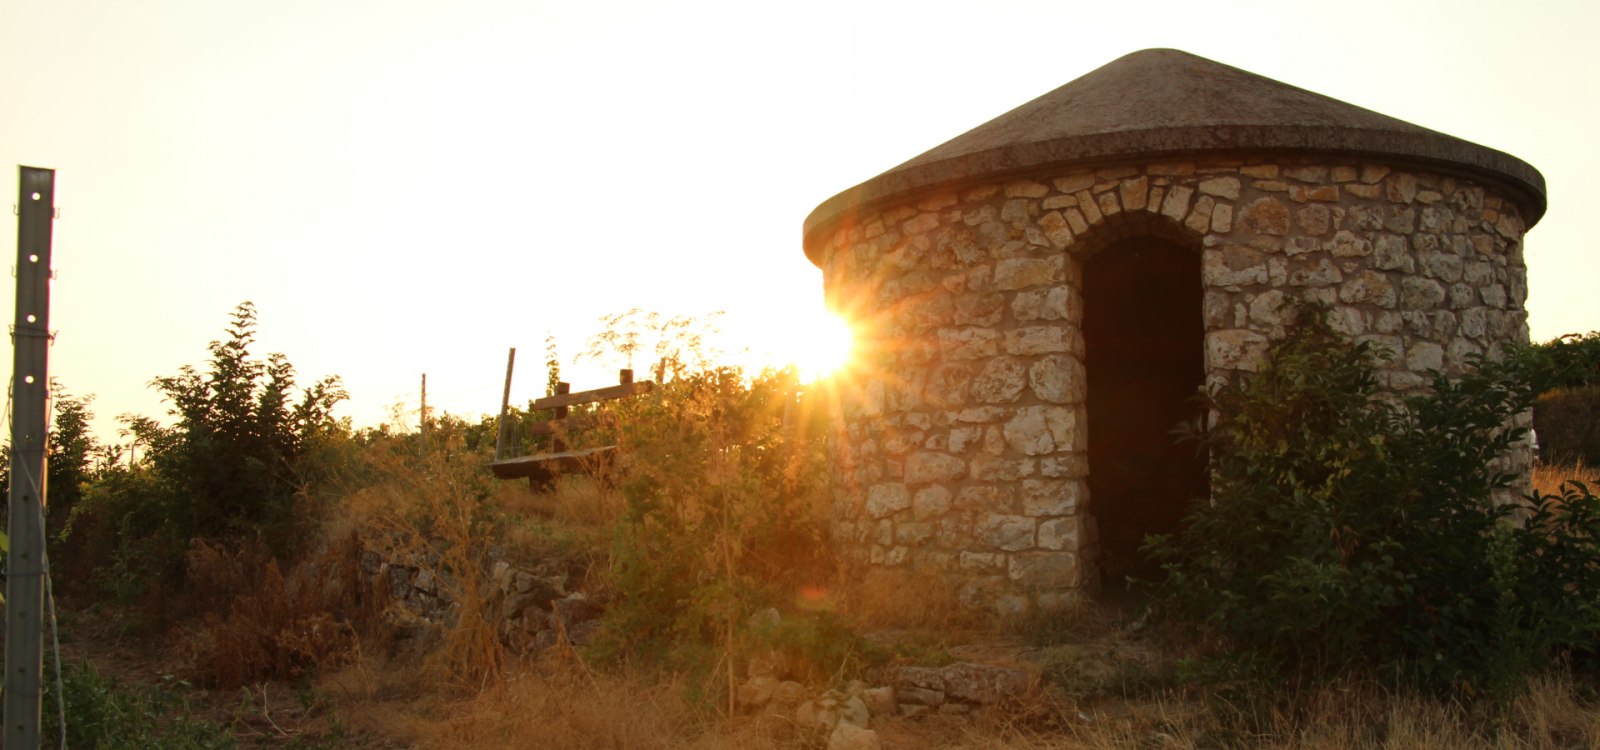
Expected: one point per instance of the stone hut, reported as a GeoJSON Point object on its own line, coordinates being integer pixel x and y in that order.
{"type": "Point", "coordinates": [1039, 299]}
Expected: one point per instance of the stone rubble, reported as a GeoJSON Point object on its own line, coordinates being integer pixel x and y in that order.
{"type": "Point", "coordinates": [845, 715]}
{"type": "Point", "coordinates": [537, 607]}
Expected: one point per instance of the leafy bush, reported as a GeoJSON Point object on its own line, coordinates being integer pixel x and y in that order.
{"type": "Point", "coordinates": [1348, 529]}
{"type": "Point", "coordinates": [101, 713]}
{"type": "Point", "coordinates": [231, 467]}
{"type": "Point", "coordinates": [72, 449]}
{"type": "Point", "coordinates": [1568, 422]}
{"type": "Point", "coordinates": [725, 514]}
{"type": "Point", "coordinates": [1567, 416]}
{"type": "Point", "coordinates": [1570, 361]}
{"type": "Point", "coordinates": [236, 447]}
{"type": "Point", "coordinates": [71, 464]}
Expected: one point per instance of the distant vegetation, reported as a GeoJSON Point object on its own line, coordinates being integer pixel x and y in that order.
{"type": "Point", "coordinates": [1567, 415]}
{"type": "Point", "coordinates": [1353, 539]}
{"type": "Point", "coordinates": [234, 467]}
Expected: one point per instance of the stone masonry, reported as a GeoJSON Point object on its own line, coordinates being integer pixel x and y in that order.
{"type": "Point", "coordinates": [964, 453]}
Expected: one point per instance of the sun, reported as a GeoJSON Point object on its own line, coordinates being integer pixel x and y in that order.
{"type": "Point", "coordinates": [819, 344]}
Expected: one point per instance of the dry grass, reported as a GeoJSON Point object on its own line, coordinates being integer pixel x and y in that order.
{"type": "Point", "coordinates": [902, 599]}
{"type": "Point", "coordinates": [558, 702]}
{"type": "Point", "coordinates": [472, 693]}
{"type": "Point", "coordinates": [433, 509]}
{"type": "Point", "coordinates": [574, 519]}
{"type": "Point", "coordinates": [555, 701]}
{"type": "Point", "coordinates": [259, 623]}
{"type": "Point", "coordinates": [580, 502]}
{"type": "Point", "coordinates": [1548, 478]}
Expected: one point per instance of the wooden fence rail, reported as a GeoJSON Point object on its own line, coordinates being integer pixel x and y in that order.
{"type": "Point", "coordinates": [542, 468]}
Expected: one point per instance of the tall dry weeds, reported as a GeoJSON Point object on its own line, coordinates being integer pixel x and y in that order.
{"type": "Point", "coordinates": [260, 624]}
{"type": "Point", "coordinates": [903, 599]}
{"type": "Point", "coordinates": [1548, 478]}
{"type": "Point", "coordinates": [431, 506]}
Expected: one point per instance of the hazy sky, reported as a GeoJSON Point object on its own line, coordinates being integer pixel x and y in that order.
{"type": "Point", "coordinates": [407, 187]}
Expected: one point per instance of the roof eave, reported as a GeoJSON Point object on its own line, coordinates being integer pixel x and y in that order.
{"type": "Point", "coordinates": [1422, 148]}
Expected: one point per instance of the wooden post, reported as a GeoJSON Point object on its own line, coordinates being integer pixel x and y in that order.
{"type": "Point", "coordinates": [558, 445]}
{"type": "Point", "coordinates": [422, 419]}
{"type": "Point", "coordinates": [502, 428]}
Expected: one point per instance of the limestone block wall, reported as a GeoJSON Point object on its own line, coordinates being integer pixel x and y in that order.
{"type": "Point", "coordinates": [964, 451]}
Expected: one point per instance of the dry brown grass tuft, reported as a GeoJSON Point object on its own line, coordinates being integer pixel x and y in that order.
{"type": "Point", "coordinates": [434, 509]}
{"type": "Point", "coordinates": [906, 599]}
{"type": "Point", "coordinates": [1343, 716]}
{"type": "Point", "coordinates": [1548, 478]}
{"type": "Point", "coordinates": [574, 519]}
{"type": "Point", "coordinates": [579, 502]}
{"type": "Point", "coordinates": [1550, 715]}
{"type": "Point", "coordinates": [493, 700]}
{"type": "Point", "coordinates": [555, 701]}
{"type": "Point", "coordinates": [259, 624]}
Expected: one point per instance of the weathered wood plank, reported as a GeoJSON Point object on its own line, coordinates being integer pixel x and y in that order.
{"type": "Point", "coordinates": [546, 465]}
{"type": "Point", "coordinates": [588, 397]}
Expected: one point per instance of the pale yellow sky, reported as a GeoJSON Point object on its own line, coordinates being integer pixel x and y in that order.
{"type": "Point", "coordinates": [406, 187]}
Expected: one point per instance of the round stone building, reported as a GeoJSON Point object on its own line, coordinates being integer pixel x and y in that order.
{"type": "Point", "coordinates": [1039, 299]}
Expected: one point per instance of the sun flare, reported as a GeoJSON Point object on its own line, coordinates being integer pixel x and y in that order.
{"type": "Point", "coordinates": [819, 344]}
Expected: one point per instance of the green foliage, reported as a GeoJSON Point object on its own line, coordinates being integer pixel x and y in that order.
{"type": "Point", "coordinates": [725, 514]}
{"type": "Point", "coordinates": [552, 366]}
{"type": "Point", "coordinates": [1352, 530]}
{"type": "Point", "coordinates": [819, 646]}
{"type": "Point", "coordinates": [1568, 423]}
{"type": "Point", "coordinates": [1570, 361]}
{"type": "Point", "coordinates": [231, 466]}
{"type": "Point", "coordinates": [238, 439]}
{"type": "Point", "coordinates": [71, 452]}
{"type": "Point", "coordinates": [101, 713]}
{"type": "Point", "coordinates": [1567, 414]}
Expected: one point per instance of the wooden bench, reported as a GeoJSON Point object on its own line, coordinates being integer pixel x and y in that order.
{"type": "Point", "coordinates": [541, 469]}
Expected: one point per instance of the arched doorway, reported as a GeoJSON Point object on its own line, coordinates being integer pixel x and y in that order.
{"type": "Point", "coordinates": [1143, 334]}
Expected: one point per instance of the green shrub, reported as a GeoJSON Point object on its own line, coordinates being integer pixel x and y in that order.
{"type": "Point", "coordinates": [1567, 414]}
{"type": "Point", "coordinates": [1352, 530]}
{"type": "Point", "coordinates": [725, 515]}
{"type": "Point", "coordinates": [101, 713]}
{"type": "Point", "coordinates": [1568, 423]}
{"type": "Point", "coordinates": [233, 466]}
{"type": "Point", "coordinates": [235, 450]}
{"type": "Point", "coordinates": [1570, 361]}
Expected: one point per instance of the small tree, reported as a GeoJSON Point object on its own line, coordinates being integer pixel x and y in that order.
{"type": "Point", "coordinates": [228, 468]}
{"type": "Point", "coordinates": [236, 447]}
{"type": "Point", "coordinates": [72, 451]}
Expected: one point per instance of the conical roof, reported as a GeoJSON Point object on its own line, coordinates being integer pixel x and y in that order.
{"type": "Point", "coordinates": [1165, 102]}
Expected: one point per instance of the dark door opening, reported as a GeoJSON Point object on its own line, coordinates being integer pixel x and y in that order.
{"type": "Point", "coordinates": [1143, 334]}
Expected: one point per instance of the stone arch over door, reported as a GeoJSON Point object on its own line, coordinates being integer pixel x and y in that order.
{"type": "Point", "coordinates": [1144, 357]}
